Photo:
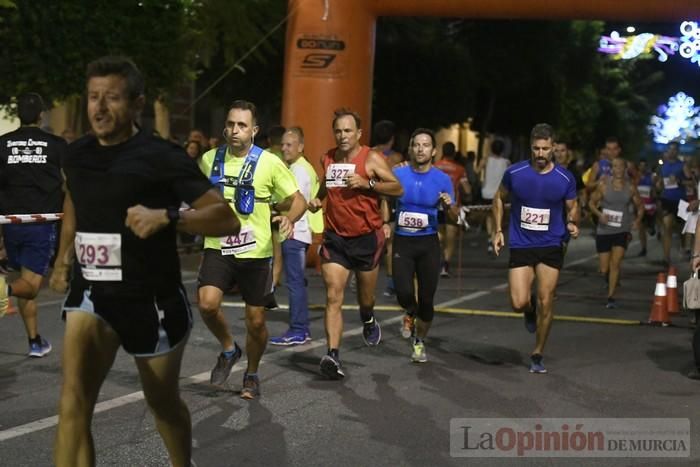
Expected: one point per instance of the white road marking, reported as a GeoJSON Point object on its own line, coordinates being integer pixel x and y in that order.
{"type": "Point", "coordinates": [117, 402]}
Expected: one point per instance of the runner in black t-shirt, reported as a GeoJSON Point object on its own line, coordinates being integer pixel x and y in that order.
{"type": "Point", "coordinates": [30, 183]}
{"type": "Point", "coordinates": [124, 188]}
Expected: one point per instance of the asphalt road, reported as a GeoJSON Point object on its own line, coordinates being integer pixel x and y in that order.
{"type": "Point", "coordinates": [388, 411]}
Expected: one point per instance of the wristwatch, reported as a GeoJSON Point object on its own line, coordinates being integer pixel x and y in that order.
{"type": "Point", "coordinates": [173, 215]}
{"type": "Point", "coordinates": [372, 182]}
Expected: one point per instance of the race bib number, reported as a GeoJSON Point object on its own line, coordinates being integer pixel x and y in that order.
{"type": "Point", "coordinates": [237, 244]}
{"type": "Point", "coordinates": [644, 191]}
{"type": "Point", "coordinates": [670, 182]}
{"type": "Point", "coordinates": [534, 218]}
{"type": "Point", "coordinates": [614, 217]}
{"type": "Point", "coordinates": [413, 221]}
{"type": "Point", "coordinates": [99, 255]}
{"type": "Point", "coordinates": [337, 175]}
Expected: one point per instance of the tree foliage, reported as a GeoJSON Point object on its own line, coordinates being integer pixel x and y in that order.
{"type": "Point", "coordinates": [508, 75]}
{"type": "Point", "coordinates": [46, 45]}
{"type": "Point", "coordinates": [240, 55]}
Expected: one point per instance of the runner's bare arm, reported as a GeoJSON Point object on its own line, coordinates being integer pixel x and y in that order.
{"type": "Point", "coordinates": [572, 217]}
{"type": "Point", "coordinates": [378, 169]}
{"type": "Point", "coordinates": [210, 215]}
{"type": "Point", "coordinates": [452, 209]}
{"type": "Point", "coordinates": [498, 239]}
{"type": "Point", "coordinates": [316, 203]}
{"type": "Point", "coordinates": [638, 206]}
{"type": "Point", "coordinates": [594, 201]}
{"type": "Point", "coordinates": [297, 207]}
{"type": "Point", "coordinates": [64, 258]}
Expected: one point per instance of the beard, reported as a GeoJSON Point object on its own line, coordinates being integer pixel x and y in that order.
{"type": "Point", "coordinates": [540, 162]}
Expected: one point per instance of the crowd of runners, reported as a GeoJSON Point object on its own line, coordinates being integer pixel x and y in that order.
{"type": "Point", "coordinates": [125, 195]}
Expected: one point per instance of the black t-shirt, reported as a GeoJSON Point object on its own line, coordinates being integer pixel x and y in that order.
{"type": "Point", "coordinates": [103, 182]}
{"type": "Point", "coordinates": [30, 171]}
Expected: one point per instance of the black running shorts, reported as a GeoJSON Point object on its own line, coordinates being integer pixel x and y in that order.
{"type": "Point", "coordinates": [146, 327]}
{"type": "Point", "coordinates": [360, 253]}
{"type": "Point", "coordinates": [605, 243]}
{"type": "Point", "coordinates": [552, 256]}
{"type": "Point", "coordinates": [253, 275]}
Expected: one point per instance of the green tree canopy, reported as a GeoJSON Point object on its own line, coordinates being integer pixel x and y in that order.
{"type": "Point", "coordinates": [46, 45]}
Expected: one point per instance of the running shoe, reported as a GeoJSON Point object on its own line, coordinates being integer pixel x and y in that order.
{"type": "Point", "coordinates": [407, 325]}
{"type": "Point", "coordinates": [331, 367]}
{"type": "Point", "coordinates": [694, 373]}
{"type": "Point", "coordinates": [531, 316]}
{"type": "Point", "coordinates": [536, 364]}
{"type": "Point", "coordinates": [291, 338]}
{"type": "Point", "coordinates": [223, 367]}
{"type": "Point", "coordinates": [419, 355]}
{"type": "Point", "coordinates": [39, 347]}
{"type": "Point", "coordinates": [445, 271]}
{"type": "Point", "coordinates": [372, 332]}
{"type": "Point", "coordinates": [4, 299]}
{"type": "Point", "coordinates": [389, 291]}
{"type": "Point", "coordinates": [611, 304]}
{"type": "Point", "coordinates": [251, 387]}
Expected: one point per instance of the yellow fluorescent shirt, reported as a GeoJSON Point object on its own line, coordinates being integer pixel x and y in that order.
{"type": "Point", "coordinates": [272, 179]}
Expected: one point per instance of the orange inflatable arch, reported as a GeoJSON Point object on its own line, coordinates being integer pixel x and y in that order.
{"type": "Point", "coordinates": [329, 57]}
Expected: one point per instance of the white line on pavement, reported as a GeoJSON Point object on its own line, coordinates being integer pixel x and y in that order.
{"type": "Point", "coordinates": [103, 406]}
{"type": "Point", "coordinates": [49, 422]}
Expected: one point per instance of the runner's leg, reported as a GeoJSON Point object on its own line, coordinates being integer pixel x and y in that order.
{"type": "Point", "coordinates": [89, 348]}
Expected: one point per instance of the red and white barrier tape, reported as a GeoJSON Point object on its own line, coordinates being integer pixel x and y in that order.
{"type": "Point", "coordinates": [30, 218]}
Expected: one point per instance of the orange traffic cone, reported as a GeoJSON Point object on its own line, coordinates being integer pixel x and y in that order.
{"type": "Point", "coordinates": [659, 307]}
{"type": "Point", "coordinates": [672, 291]}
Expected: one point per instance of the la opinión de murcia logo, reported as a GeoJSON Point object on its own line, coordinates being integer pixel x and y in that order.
{"type": "Point", "coordinates": [570, 437]}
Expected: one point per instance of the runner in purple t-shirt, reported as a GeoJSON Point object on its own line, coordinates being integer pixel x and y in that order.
{"type": "Point", "coordinates": [541, 192]}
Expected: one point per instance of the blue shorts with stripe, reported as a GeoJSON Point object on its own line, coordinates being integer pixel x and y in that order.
{"type": "Point", "coordinates": [30, 246]}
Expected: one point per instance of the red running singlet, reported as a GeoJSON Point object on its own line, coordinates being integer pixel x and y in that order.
{"type": "Point", "coordinates": [349, 212]}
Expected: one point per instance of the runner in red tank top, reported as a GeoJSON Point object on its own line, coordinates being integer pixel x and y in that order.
{"type": "Point", "coordinates": [449, 229]}
{"type": "Point", "coordinates": [353, 241]}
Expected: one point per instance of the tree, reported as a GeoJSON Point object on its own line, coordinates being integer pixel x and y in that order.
{"type": "Point", "coordinates": [239, 55]}
{"type": "Point", "coordinates": [51, 60]}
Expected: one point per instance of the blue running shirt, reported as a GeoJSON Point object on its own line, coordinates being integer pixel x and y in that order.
{"type": "Point", "coordinates": [604, 169]}
{"type": "Point", "coordinates": [673, 176]}
{"type": "Point", "coordinates": [538, 204]}
{"type": "Point", "coordinates": [416, 210]}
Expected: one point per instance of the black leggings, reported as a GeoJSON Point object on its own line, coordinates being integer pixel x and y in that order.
{"type": "Point", "coordinates": [419, 255]}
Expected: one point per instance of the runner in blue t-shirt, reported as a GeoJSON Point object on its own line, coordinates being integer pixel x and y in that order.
{"type": "Point", "coordinates": [416, 248]}
{"type": "Point", "coordinates": [541, 193]}
{"type": "Point", "coordinates": [670, 184]}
